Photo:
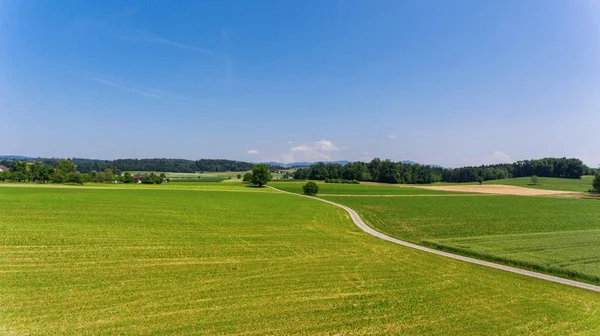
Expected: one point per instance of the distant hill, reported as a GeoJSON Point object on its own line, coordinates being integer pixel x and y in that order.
{"type": "Point", "coordinates": [14, 157]}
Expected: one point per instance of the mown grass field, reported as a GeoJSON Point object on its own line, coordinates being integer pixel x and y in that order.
{"type": "Point", "coordinates": [550, 183]}
{"type": "Point", "coordinates": [547, 183]}
{"type": "Point", "coordinates": [153, 262]}
{"type": "Point", "coordinates": [358, 189]}
{"type": "Point", "coordinates": [555, 235]}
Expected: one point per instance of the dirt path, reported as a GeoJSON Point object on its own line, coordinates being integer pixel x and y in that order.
{"type": "Point", "coordinates": [359, 222]}
{"type": "Point", "coordinates": [498, 189]}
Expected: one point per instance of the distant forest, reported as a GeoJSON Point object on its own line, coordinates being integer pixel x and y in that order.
{"type": "Point", "coordinates": [158, 165]}
{"type": "Point", "coordinates": [387, 171]}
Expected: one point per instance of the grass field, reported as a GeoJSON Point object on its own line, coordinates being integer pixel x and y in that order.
{"type": "Point", "coordinates": [358, 189]}
{"type": "Point", "coordinates": [547, 183]}
{"type": "Point", "coordinates": [154, 262]}
{"type": "Point", "coordinates": [555, 235]}
{"type": "Point", "coordinates": [197, 177]}
{"type": "Point", "coordinates": [214, 186]}
{"type": "Point", "coordinates": [228, 176]}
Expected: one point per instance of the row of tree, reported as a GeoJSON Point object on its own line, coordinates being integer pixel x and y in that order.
{"type": "Point", "coordinates": [66, 172]}
{"type": "Point", "coordinates": [387, 171]}
{"type": "Point", "coordinates": [160, 165]}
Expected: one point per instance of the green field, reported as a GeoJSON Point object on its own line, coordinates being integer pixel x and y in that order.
{"type": "Point", "coordinates": [228, 176]}
{"type": "Point", "coordinates": [134, 261]}
{"type": "Point", "coordinates": [196, 177]}
{"type": "Point", "coordinates": [547, 183]}
{"type": "Point", "coordinates": [555, 235]}
{"type": "Point", "coordinates": [358, 189]}
{"type": "Point", "coordinates": [550, 183]}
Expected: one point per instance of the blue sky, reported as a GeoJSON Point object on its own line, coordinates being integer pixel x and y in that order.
{"type": "Point", "coordinates": [441, 82]}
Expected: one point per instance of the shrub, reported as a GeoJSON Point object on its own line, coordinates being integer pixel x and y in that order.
{"type": "Point", "coordinates": [327, 180]}
{"type": "Point", "coordinates": [596, 183]}
{"type": "Point", "coordinates": [310, 188]}
{"type": "Point", "coordinates": [534, 180]}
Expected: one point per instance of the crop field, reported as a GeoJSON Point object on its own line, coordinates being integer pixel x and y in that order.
{"type": "Point", "coordinates": [358, 189]}
{"type": "Point", "coordinates": [555, 235]}
{"type": "Point", "coordinates": [113, 260]}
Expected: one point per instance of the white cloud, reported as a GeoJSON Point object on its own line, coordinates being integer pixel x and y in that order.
{"type": "Point", "coordinates": [252, 151]}
{"type": "Point", "coordinates": [501, 157]}
{"type": "Point", "coordinates": [319, 151]}
{"type": "Point", "coordinates": [326, 145]}
{"type": "Point", "coordinates": [300, 148]}
{"type": "Point", "coordinates": [392, 136]}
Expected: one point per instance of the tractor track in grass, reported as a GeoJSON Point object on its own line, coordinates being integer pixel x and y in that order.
{"type": "Point", "coordinates": [357, 220]}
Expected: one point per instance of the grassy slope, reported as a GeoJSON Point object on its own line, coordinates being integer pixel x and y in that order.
{"type": "Point", "coordinates": [550, 183]}
{"type": "Point", "coordinates": [446, 221]}
{"type": "Point", "coordinates": [357, 189]}
{"type": "Point", "coordinates": [100, 261]}
{"type": "Point", "coordinates": [547, 183]}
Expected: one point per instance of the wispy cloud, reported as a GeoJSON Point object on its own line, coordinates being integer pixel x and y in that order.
{"type": "Point", "coordinates": [135, 88]}
{"type": "Point", "coordinates": [500, 157]}
{"type": "Point", "coordinates": [252, 151]}
{"type": "Point", "coordinates": [142, 37]}
{"type": "Point", "coordinates": [318, 151]}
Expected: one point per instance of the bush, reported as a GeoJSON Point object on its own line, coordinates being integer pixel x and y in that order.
{"type": "Point", "coordinates": [310, 188]}
{"type": "Point", "coordinates": [327, 180]}
{"type": "Point", "coordinates": [534, 180]}
{"type": "Point", "coordinates": [596, 183]}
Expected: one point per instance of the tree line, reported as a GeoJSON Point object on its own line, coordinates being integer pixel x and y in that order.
{"type": "Point", "coordinates": [159, 165]}
{"type": "Point", "coordinates": [65, 171]}
{"type": "Point", "coordinates": [387, 171]}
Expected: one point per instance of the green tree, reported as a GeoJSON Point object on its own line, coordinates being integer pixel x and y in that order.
{"type": "Point", "coordinates": [534, 179]}
{"type": "Point", "coordinates": [247, 177]}
{"type": "Point", "coordinates": [128, 178]}
{"type": "Point", "coordinates": [261, 175]}
{"type": "Point", "coordinates": [596, 183]}
{"type": "Point", "coordinates": [65, 166]}
{"type": "Point", "coordinates": [310, 188]}
{"type": "Point", "coordinates": [73, 178]}
{"type": "Point", "coordinates": [239, 176]}
{"type": "Point", "coordinates": [480, 179]}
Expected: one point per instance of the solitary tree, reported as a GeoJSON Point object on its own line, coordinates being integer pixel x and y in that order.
{"type": "Point", "coordinates": [310, 188]}
{"type": "Point", "coordinates": [534, 179]}
{"type": "Point", "coordinates": [480, 179]}
{"type": "Point", "coordinates": [247, 177]}
{"type": "Point", "coordinates": [596, 183]}
{"type": "Point", "coordinates": [261, 175]}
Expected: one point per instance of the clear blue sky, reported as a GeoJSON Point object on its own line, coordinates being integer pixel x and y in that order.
{"type": "Point", "coordinates": [442, 82]}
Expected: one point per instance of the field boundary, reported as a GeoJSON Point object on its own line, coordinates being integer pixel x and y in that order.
{"type": "Point", "coordinates": [357, 220]}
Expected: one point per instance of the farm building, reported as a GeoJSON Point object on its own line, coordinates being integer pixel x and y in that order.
{"type": "Point", "coordinates": [3, 168]}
